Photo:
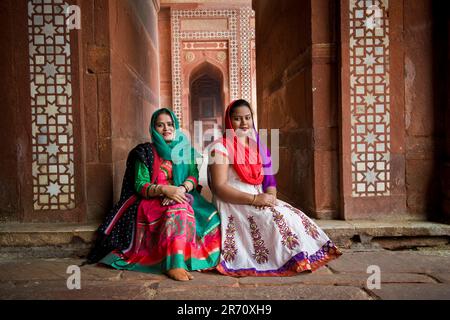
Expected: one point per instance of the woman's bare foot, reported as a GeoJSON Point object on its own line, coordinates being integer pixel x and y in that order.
{"type": "Point", "coordinates": [178, 274]}
{"type": "Point", "coordinates": [190, 276]}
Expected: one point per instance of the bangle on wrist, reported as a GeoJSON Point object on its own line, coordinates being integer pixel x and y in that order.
{"type": "Point", "coordinates": [185, 188]}
{"type": "Point", "coordinates": [254, 198]}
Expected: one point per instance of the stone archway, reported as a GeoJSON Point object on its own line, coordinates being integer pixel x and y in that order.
{"type": "Point", "coordinates": [206, 103]}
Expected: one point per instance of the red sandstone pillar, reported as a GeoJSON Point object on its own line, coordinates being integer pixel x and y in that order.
{"type": "Point", "coordinates": [372, 111]}
{"type": "Point", "coordinates": [446, 166]}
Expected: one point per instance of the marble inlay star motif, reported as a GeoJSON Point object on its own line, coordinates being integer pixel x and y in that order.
{"type": "Point", "coordinates": [54, 189]}
{"type": "Point", "coordinates": [51, 110]}
{"type": "Point", "coordinates": [32, 49]}
{"type": "Point", "coordinates": [33, 89]}
{"type": "Point", "coordinates": [370, 138]}
{"type": "Point", "coordinates": [50, 70]}
{"type": "Point", "coordinates": [51, 102]}
{"type": "Point", "coordinates": [64, 8]}
{"type": "Point", "coordinates": [369, 99]}
{"type": "Point", "coordinates": [52, 149]}
{"type": "Point", "coordinates": [370, 176]}
{"type": "Point", "coordinates": [371, 23]}
{"type": "Point", "coordinates": [66, 50]}
{"type": "Point", "coordinates": [369, 60]}
{"type": "Point", "coordinates": [49, 30]}
{"type": "Point", "coordinates": [30, 8]}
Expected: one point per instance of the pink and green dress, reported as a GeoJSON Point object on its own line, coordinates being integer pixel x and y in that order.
{"type": "Point", "coordinates": [165, 236]}
{"type": "Point", "coordinates": [141, 234]}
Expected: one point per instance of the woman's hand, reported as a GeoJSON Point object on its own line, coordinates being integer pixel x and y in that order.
{"type": "Point", "coordinates": [264, 200]}
{"type": "Point", "coordinates": [166, 201]}
{"type": "Point", "coordinates": [174, 193]}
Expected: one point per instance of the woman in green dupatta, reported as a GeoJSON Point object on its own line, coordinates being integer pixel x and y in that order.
{"type": "Point", "coordinates": [176, 229]}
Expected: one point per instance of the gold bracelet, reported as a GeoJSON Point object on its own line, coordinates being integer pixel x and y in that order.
{"type": "Point", "coordinates": [185, 187]}
{"type": "Point", "coordinates": [254, 198]}
{"type": "Point", "coordinates": [158, 192]}
{"type": "Point", "coordinates": [146, 192]}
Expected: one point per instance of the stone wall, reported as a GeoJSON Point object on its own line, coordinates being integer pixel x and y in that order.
{"type": "Point", "coordinates": [134, 77]}
{"type": "Point", "coordinates": [40, 122]}
{"type": "Point", "coordinates": [97, 107]}
{"type": "Point", "coordinates": [325, 85]}
{"type": "Point", "coordinates": [424, 46]}
{"type": "Point", "coordinates": [165, 52]}
{"type": "Point", "coordinates": [296, 79]}
{"type": "Point", "coordinates": [10, 90]}
{"type": "Point", "coordinates": [121, 89]}
{"type": "Point", "coordinates": [445, 178]}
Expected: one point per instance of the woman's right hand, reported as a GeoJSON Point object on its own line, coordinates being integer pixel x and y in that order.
{"type": "Point", "coordinates": [175, 193]}
{"type": "Point", "coordinates": [263, 200]}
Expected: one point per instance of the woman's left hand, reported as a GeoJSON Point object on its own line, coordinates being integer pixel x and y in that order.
{"type": "Point", "coordinates": [166, 201]}
{"type": "Point", "coordinates": [272, 201]}
{"type": "Point", "coordinates": [177, 195]}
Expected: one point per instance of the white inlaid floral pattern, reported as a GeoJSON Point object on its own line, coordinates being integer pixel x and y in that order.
{"type": "Point", "coordinates": [51, 106]}
{"type": "Point", "coordinates": [237, 37]}
{"type": "Point", "coordinates": [370, 97]}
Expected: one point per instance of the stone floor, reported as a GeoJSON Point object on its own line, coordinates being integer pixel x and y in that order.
{"type": "Point", "coordinates": [418, 274]}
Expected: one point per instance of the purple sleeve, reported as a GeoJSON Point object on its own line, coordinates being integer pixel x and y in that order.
{"type": "Point", "coordinates": [269, 181]}
{"type": "Point", "coordinates": [269, 177]}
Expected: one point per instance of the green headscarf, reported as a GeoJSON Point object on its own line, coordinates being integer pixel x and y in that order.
{"type": "Point", "coordinates": [179, 151]}
{"type": "Point", "coordinates": [183, 156]}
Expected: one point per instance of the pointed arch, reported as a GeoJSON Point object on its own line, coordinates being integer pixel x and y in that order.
{"type": "Point", "coordinates": [206, 100]}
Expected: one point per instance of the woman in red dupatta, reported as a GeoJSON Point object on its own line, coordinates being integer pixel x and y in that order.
{"type": "Point", "coordinates": [261, 235]}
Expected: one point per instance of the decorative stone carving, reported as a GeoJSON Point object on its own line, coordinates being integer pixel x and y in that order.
{"type": "Point", "coordinates": [189, 56]}
{"type": "Point", "coordinates": [51, 106]}
{"type": "Point", "coordinates": [221, 56]}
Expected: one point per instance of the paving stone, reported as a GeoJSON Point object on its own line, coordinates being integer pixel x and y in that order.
{"type": "Point", "coordinates": [90, 290]}
{"type": "Point", "coordinates": [42, 234]}
{"type": "Point", "coordinates": [441, 277]}
{"type": "Point", "coordinates": [52, 269]}
{"type": "Point", "coordinates": [298, 292]}
{"type": "Point", "coordinates": [100, 272]}
{"type": "Point", "coordinates": [424, 291]}
{"type": "Point", "coordinates": [26, 270]}
{"type": "Point", "coordinates": [400, 228]}
{"type": "Point", "coordinates": [6, 285]}
{"type": "Point", "coordinates": [444, 252]}
{"type": "Point", "coordinates": [322, 270]}
{"type": "Point", "coordinates": [390, 262]}
{"type": "Point", "coordinates": [409, 242]}
{"type": "Point", "coordinates": [343, 279]}
{"type": "Point", "coordinates": [201, 279]}
{"type": "Point", "coordinates": [134, 275]}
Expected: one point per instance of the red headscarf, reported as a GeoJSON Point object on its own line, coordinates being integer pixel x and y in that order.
{"type": "Point", "coordinates": [246, 159]}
